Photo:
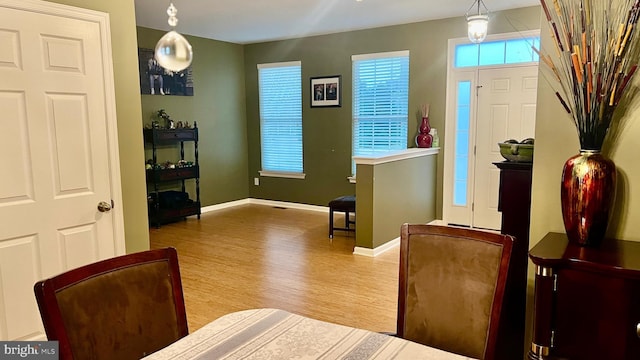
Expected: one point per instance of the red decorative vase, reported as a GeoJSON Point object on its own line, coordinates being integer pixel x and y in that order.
{"type": "Point", "coordinates": [588, 189]}
{"type": "Point", "coordinates": [424, 139]}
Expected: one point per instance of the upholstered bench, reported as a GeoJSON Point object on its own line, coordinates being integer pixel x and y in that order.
{"type": "Point", "coordinates": [346, 204]}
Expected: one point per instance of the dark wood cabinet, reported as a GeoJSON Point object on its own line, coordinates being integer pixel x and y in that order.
{"type": "Point", "coordinates": [170, 205]}
{"type": "Point", "coordinates": [587, 300]}
{"type": "Point", "coordinates": [514, 202]}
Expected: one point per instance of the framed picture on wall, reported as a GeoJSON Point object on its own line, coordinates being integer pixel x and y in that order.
{"type": "Point", "coordinates": [156, 80]}
{"type": "Point", "coordinates": [326, 91]}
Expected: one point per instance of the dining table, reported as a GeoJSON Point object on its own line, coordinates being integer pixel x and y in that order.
{"type": "Point", "coordinates": [276, 334]}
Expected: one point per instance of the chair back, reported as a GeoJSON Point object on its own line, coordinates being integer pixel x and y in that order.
{"type": "Point", "coordinates": [121, 308]}
{"type": "Point", "coordinates": [451, 287]}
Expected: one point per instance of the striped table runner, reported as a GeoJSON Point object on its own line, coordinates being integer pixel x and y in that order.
{"type": "Point", "coordinates": [276, 334]}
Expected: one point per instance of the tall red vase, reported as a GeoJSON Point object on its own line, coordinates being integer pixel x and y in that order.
{"type": "Point", "coordinates": [424, 139]}
{"type": "Point", "coordinates": [588, 189]}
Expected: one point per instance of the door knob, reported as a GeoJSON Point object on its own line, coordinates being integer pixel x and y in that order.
{"type": "Point", "coordinates": [104, 206]}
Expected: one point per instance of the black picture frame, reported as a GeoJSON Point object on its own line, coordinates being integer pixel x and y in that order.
{"type": "Point", "coordinates": [326, 91]}
{"type": "Point", "coordinates": [156, 80]}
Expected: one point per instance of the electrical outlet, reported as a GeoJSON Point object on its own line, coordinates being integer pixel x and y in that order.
{"type": "Point", "coordinates": [256, 181]}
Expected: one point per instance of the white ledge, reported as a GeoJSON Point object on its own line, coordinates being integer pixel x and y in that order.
{"type": "Point", "coordinates": [282, 174]}
{"type": "Point", "coordinates": [395, 156]}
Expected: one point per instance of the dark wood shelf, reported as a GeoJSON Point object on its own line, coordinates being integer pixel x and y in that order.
{"type": "Point", "coordinates": [159, 213]}
{"type": "Point", "coordinates": [586, 299]}
{"type": "Point", "coordinates": [157, 175]}
{"type": "Point", "coordinates": [514, 202]}
{"type": "Point", "coordinates": [155, 136]}
{"type": "Point", "coordinates": [163, 216]}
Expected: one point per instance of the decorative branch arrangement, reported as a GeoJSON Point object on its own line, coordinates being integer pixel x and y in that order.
{"type": "Point", "coordinates": [597, 50]}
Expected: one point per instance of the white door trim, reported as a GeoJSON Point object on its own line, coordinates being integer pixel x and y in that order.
{"type": "Point", "coordinates": [102, 20]}
{"type": "Point", "coordinates": [469, 74]}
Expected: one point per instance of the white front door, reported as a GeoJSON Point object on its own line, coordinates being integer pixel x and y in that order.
{"type": "Point", "coordinates": [59, 151]}
{"type": "Point", "coordinates": [506, 110]}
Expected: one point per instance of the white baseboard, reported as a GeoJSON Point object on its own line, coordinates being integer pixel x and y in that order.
{"type": "Point", "coordinates": [226, 205]}
{"type": "Point", "coordinates": [376, 251]}
{"type": "Point", "coordinates": [246, 201]}
{"type": "Point", "coordinates": [356, 251]}
{"type": "Point", "coordinates": [289, 205]}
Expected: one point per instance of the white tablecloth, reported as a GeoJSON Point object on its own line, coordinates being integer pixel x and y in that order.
{"type": "Point", "coordinates": [276, 334]}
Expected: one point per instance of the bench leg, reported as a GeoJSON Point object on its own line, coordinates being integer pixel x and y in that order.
{"type": "Point", "coordinates": [330, 223]}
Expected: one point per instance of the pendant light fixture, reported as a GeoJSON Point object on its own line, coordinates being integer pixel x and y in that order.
{"type": "Point", "coordinates": [478, 23]}
{"type": "Point", "coordinates": [173, 52]}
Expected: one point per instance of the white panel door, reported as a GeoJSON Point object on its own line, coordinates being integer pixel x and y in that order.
{"type": "Point", "coordinates": [506, 110]}
{"type": "Point", "coordinates": [58, 159]}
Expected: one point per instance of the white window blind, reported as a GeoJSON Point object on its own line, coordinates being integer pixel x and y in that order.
{"type": "Point", "coordinates": [380, 102]}
{"type": "Point", "coordinates": [280, 92]}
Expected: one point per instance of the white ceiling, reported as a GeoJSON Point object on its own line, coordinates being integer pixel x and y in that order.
{"type": "Point", "coordinates": [251, 21]}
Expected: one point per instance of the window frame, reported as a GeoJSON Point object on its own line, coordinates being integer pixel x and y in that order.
{"type": "Point", "coordinates": [274, 172]}
{"type": "Point", "coordinates": [403, 117]}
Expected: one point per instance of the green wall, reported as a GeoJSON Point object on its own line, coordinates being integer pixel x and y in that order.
{"type": "Point", "coordinates": [218, 107]}
{"type": "Point", "coordinates": [327, 131]}
{"type": "Point", "coordinates": [125, 68]}
{"type": "Point", "coordinates": [557, 140]}
{"type": "Point", "coordinates": [391, 194]}
{"type": "Point", "coordinates": [404, 192]}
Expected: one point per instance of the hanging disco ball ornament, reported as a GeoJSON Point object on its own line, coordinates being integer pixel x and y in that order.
{"type": "Point", "coordinates": [173, 52]}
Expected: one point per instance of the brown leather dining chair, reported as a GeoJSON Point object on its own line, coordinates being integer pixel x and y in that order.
{"type": "Point", "coordinates": [121, 308]}
{"type": "Point", "coordinates": [451, 287]}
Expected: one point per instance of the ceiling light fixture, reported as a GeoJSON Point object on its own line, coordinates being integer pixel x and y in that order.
{"type": "Point", "coordinates": [477, 24]}
{"type": "Point", "coordinates": [173, 52]}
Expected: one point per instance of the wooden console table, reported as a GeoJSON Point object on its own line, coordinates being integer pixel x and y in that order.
{"type": "Point", "coordinates": [587, 300]}
{"type": "Point", "coordinates": [514, 203]}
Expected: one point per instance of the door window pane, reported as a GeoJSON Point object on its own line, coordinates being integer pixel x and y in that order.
{"type": "Point", "coordinates": [467, 55]}
{"type": "Point", "coordinates": [513, 51]}
{"type": "Point", "coordinates": [461, 159]}
{"type": "Point", "coordinates": [519, 51]}
{"type": "Point", "coordinates": [492, 53]}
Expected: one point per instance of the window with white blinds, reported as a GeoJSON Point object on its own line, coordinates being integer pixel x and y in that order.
{"type": "Point", "coordinates": [380, 102]}
{"type": "Point", "coordinates": [280, 92]}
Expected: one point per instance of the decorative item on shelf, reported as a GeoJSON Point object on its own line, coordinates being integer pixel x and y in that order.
{"type": "Point", "coordinates": [424, 139]}
{"type": "Point", "coordinates": [173, 51]}
{"type": "Point", "coordinates": [184, 163]}
{"type": "Point", "coordinates": [515, 151]}
{"type": "Point", "coordinates": [478, 23]}
{"type": "Point", "coordinates": [434, 135]}
{"type": "Point", "coordinates": [168, 122]}
{"type": "Point", "coordinates": [597, 49]}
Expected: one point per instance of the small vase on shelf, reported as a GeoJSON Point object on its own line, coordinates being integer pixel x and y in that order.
{"type": "Point", "coordinates": [434, 135]}
{"type": "Point", "coordinates": [424, 138]}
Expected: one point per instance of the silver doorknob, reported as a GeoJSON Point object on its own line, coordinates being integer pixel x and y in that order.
{"type": "Point", "coordinates": [104, 206]}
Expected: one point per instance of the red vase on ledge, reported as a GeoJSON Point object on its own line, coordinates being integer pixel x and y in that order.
{"type": "Point", "coordinates": [424, 139]}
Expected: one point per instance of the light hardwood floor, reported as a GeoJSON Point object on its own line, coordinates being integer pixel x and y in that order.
{"type": "Point", "coordinates": [255, 256]}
